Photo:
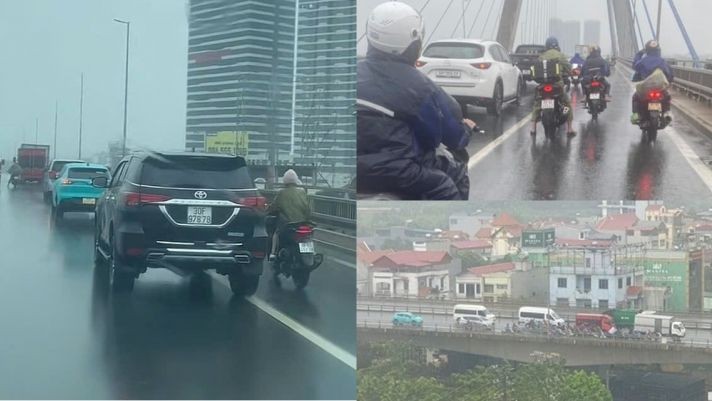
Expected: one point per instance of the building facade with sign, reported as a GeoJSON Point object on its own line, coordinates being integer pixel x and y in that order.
{"type": "Point", "coordinates": [667, 280]}
{"type": "Point", "coordinates": [240, 80]}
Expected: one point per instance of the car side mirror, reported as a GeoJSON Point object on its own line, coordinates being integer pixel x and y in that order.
{"type": "Point", "coordinates": [100, 182]}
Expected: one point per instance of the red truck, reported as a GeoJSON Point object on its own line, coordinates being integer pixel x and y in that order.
{"type": "Point", "coordinates": [591, 320]}
{"type": "Point", "coordinates": [33, 159]}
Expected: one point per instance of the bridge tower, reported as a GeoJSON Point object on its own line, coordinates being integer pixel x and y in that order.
{"type": "Point", "coordinates": [623, 28]}
{"type": "Point", "coordinates": [507, 30]}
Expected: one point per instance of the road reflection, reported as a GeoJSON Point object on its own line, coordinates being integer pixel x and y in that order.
{"type": "Point", "coordinates": [646, 163]}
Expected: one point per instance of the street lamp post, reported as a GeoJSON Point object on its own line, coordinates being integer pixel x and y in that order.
{"type": "Point", "coordinates": [81, 116]}
{"type": "Point", "coordinates": [126, 81]}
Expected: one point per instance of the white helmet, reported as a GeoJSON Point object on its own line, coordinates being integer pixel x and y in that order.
{"type": "Point", "coordinates": [393, 26]}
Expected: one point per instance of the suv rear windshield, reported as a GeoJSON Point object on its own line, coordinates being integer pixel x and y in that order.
{"type": "Point", "coordinates": [197, 172]}
{"type": "Point", "coordinates": [530, 49]}
{"type": "Point", "coordinates": [87, 173]}
{"type": "Point", "coordinates": [454, 50]}
{"type": "Point", "coordinates": [57, 166]}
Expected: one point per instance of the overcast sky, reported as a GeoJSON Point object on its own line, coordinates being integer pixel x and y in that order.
{"type": "Point", "coordinates": [695, 14]}
{"type": "Point", "coordinates": [46, 45]}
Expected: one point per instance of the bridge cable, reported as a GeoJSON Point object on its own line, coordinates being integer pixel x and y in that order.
{"type": "Point", "coordinates": [452, 35]}
{"type": "Point", "coordinates": [477, 16]}
{"type": "Point", "coordinates": [421, 13]}
{"type": "Point", "coordinates": [637, 24]}
{"type": "Point", "coordinates": [489, 13]}
{"type": "Point", "coordinates": [497, 21]}
{"type": "Point", "coordinates": [439, 21]}
{"type": "Point", "coordinates": [650, 21]}
{"type": "Point", "coordinates": [683, 31]}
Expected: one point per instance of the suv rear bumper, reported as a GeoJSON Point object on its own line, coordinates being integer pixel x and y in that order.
{"type": "Point", "coordinates": [199, 259]}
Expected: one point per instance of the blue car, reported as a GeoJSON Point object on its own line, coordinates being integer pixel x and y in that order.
{"type": "Point", "coordinates": [72, 190]}
{"type": "Point", "coordinates": [407, 319]}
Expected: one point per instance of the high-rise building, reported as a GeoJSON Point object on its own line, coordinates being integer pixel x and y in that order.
{"type": "Point", "coordinates": [592, 32]}
{"type": "Point", "coordinates": [241, 76]}
{"type": "Point", "coordinates": [567, 32]}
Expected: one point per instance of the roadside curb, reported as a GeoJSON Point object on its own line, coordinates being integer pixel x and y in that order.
{"type": "Point", "coordinates": [702, 125]}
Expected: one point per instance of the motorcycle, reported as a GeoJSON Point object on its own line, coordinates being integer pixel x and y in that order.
{"type": "Point", "coordinates": [15, 181]}
{"type": "Point", "coordinates": [652, 116]}
{"type": "Point", "coordinates": [553, 113]}
{"type": "Point", "coordinates": [595, 97]}
{"type": "Point", "coordinates": [296, 257]}
{"type": "Point", "coordinates": [575, 78]}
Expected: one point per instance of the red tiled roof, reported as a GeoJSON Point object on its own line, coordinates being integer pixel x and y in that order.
{"type": "Point", "coordinates": [473, 244]}
{"type": "Point", "coordinates": [704, 227]}
{"type": "Point", "coordinates": [496, 268]}
{"type": "Point", "coordinates": [484, 232]}
{"type": "Point", "coordinates": [412, 259]}
{"type": "Point", "coordinates": [504, 220]}
{"type": "Point", "coordinates": [515, 231]}
{"type": "Point", "coordinates": [370, 257]}
{"type": "Point", "coordinates": [618, 222]}
{"type": "Point", "coordinates": [591, 243]}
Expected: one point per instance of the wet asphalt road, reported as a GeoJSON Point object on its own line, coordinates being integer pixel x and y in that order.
{"type": "Point", "coordinates": [63, 335]}
{"type": "Point", "coordinates": [607, 160]}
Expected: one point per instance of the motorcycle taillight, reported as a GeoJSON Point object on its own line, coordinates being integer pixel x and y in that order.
{"type": "Point", "coordinates": [548, 88]}
{"type": "Point", "coordinates": [655, 96]}
{"type": "Point", "coordinates": [595, 84]}
{"type": "Point", "coordinates": [303, 232]}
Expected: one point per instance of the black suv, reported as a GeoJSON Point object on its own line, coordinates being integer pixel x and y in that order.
{"type": "Point", "coordinates": [187, 212]}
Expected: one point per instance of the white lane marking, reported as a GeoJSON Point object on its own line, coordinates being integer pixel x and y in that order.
{"type": "Point", "coordinates": [343, 262]}
{"type": "Point", "coordinates": [314, 338]}
{"type": "Point", "coordinates": [692, 158]}
{"type": "Point", "coordinates": [321, 342]}
{"type": "Point", "coordinates": [477, 157]}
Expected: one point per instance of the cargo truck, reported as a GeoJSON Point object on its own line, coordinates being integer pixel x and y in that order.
{"type": "Point", "coordinates": [33, 159]}
{"type": "Point", "coordinates": [666, 325]}
{"type": "Point", "coordinates": [622, 318]}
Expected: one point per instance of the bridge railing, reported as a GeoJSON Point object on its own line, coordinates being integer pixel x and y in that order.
{"type": "Point", "coordinates": [663, 343]}
{"type": "Point", "coordinates": [569, 316]}
{"type": "Point", "coordinates": [695, 82]}
{"type": "Point", "coordinates": [338, 211]}
{"type": "Point", "coordinates": [513, 304]}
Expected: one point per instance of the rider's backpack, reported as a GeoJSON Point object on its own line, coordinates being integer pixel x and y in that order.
{"type": "Point", "coordinates": [546, 71]}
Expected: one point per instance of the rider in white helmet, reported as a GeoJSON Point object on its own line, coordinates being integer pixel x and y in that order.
{"type": "Point", "coordinates": [397, 154]}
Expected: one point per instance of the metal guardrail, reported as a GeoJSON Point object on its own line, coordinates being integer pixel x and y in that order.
{"type": "Point", "coordinates": [326, 209]}
{"type": "Point", "coordinates": [662, 343]}
{"type": "Point", "coordinates": [695, 82]}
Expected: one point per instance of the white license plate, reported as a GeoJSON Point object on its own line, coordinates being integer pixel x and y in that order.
{"type": "Point", "coordinates": [595, 96]}
{"type": "Point", "coordinates": [448, 74]}
{"type": "Point", "coordinates": [200, 215]}
{"type": "Point", "coordinates": [88, 201]}
{"type": "Point", "coordinates": [306, 247]}
{"type": "Point", "coordinates": [547, 103]}
{"type": "Point", "coordinates": [655, 107]}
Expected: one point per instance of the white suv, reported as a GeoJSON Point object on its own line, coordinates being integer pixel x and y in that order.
{"type": "Point", "coordinates": [473, 71]}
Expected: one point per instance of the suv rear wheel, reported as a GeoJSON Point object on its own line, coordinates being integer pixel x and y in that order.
{"type": "Point", "coordinates": [495, 106]}
{"type": "Point", "coordinates": [57, 214]}
{"type": "Point", "coordinates": [121, 281]}
{"type": "Point", "coordinates": [243, 284]}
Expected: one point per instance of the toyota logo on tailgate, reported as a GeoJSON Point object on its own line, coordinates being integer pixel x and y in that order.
{"type": "Point", "coordinates": [200, 194]}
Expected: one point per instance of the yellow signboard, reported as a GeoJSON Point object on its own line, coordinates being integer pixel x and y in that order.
{"type": "Point", "coordinates": [227, 142]}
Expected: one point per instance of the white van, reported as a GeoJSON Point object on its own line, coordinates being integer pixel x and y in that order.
{"type": "Point", "coordinates": [542, 315]}
{"type": "Point", "coordinates": [461, 312]}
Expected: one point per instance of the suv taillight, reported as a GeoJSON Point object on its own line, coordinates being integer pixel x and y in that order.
{"type": "Point", "coordinates": [257, 202]}
{"type": "Point", "coordinates": [137, 199]}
